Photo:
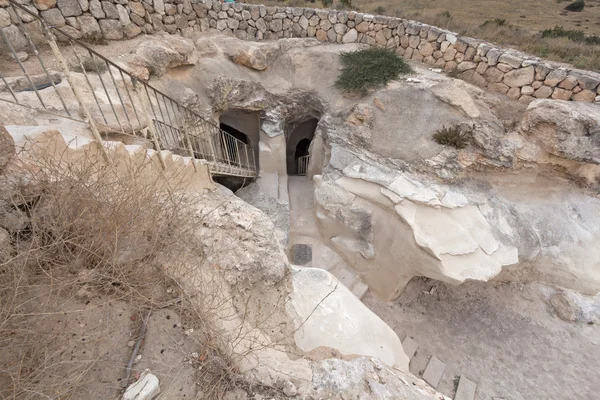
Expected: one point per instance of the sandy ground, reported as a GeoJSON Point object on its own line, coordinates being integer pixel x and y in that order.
{"type": "Point", "coordinates": [504, 337]}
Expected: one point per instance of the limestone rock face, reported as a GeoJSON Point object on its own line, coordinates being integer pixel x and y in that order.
{"type": "Point", "coordinates": [257, 57]}
{"type": "Point", "coordinates": [320, 303]}
{"type": "Point", "coordinates": [565, 129]}
{"type": "Point", "coordinates": [161, 53]}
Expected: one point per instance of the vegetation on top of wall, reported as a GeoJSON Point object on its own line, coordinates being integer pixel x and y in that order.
{"type": "Point", "coordinates": [453, 136]}
{"type": "Point", "coordinates": [576, 6]}
{"type": "Point", "coordinates": [369, 68]}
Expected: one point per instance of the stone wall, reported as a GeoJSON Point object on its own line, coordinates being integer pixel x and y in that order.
{"type": "Point", "coordinates": [518, 75]}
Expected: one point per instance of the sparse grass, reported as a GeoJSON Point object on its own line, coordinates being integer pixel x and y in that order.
{"type": "Point", "coordinates": [571, 34]}
{"type": "Point", "coordinates": [497, 22]}
{"type": "Point", "coordinates": [453, 136]}
{"type": "Point", "coordinates": [576, 6]}
{"type": "Point", "coordinates": [370, 68]}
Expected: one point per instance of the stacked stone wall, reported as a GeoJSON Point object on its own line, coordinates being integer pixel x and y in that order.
{"type": "Point", "coordinates": [518, 75]}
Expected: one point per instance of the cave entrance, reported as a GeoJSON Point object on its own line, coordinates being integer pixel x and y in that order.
{"type": "Point", "coordinates": [244, 126]}
{"type": "Point", "coordinates": [298, 146]}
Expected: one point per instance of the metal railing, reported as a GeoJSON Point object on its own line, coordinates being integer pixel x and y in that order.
{"type": "Point", "coordinates": [106, 96]}
{"type": "Point", "coordinates": [303, 165]}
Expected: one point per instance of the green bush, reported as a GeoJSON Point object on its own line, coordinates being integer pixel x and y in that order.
{"type": "Point", "coordinates": [452, 137]}
{"type": "Point", "coordinates": [369, 68]}
{"type": "Point", "coordinates": [327, 3]}
{"type": "Point", "coordinates": [380, 10]}
{"type": "Point", "coordinates": [576, 6]}
{"type": "Point", "coordinates": [576, 36]}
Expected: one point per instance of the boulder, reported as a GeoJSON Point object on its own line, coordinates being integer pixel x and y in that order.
{"type": "Point", "coordinates": [164, 52]}
{"type": "Point", "coordinates": [257, 56]}
{"type": "Point", "coordinates": [563, 128]}
{"type": "Point", "coordinates": [327, 314]}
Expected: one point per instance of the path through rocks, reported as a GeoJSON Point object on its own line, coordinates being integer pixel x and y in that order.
{"type": "Point", "coordinates": [503, 337]}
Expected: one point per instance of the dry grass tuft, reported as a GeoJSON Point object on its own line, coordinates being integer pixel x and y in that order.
{"type": "Point", "coordinates": [80, 225]}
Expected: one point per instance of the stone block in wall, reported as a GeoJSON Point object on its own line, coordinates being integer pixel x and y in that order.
{"type": "Point", "coordinates": [413, 28]}
{"type": "Point", "coordinates": [541, 71]}
{"type": "Point", "coordinates": [543, 92]}
{"type": "Point", "coordinates": [53, 17]}
{"type": "Point", "coordinates": [568, 83]}
{"type": "Point", "coordinates": [498, 87]}
{"type": "Point", "coordinates": [131, 31]}
{"type": "Point", "coordinates": [340, 29]}
{"type": "Point", "coordinates": [555, 77]}
{"type": "Point", "coordinates": [110, 10]}
{"type": "Point", "coordinates": [84, 4]}
{"type": "Point", "coordinates": [426, 48]}
{"type": "Point", "coordinates": [511, 59]}
{"type": "Point", "coordinates": [493, 55]}
{"type": "Point", "coordinates": [424, 31]}
{"type": "Point", "coordinates": [527, 90]}
{"type": "Point", "coordinates": [137, 8]}
{"type": "Point", "coordinates": [331, 36]}
{"type": "Point", "coordinates": [494, 75]}
{"type": "Point", "coordinates": [450, 65]}
{"type": "Point", "coordinates": [358, 18]}
{"type": "Point", "coordinates": [444, 46]}
{"type": "Point", "coordinates": [159, 6]}
{"type": "Point", "coordinates": [450, 53]}
{"type": "Point", "coordinates": [111, 29]}
{"type": "Point", "coordinates": [123, 15]}
{"type": "Point", "coordinates": [5, 19]}
{"type": "Point", "coordinates": [325, 24]}
{"type": "Point", "coordinates": [69, 8]}
{"type": "Point", "coordinates": [413, 41]}
{"type": "Point", "coordinates": [261, 25]}
{"type": "Point", "coordinates": [482, 68]}
{"type": "Point", "coordinates": [89, 27]}
{"type": "Point", "coordinates": [520, 77]}
{"type": "Point", "coordinates": [504, 67]}
{"type": "Point", "coordinates": [440, 63]}
{"type": "Point", "coordinates": [585, 95]}
{"type": "Point", "coordinates": [43, 5]}
{"type": "Point", "coordinates": [465, 66]}
{"type": "Point", "coordinates": [537, 84]}
{"type": "Point", "coordinates": [561, 94]}
{"type": "Point", "coordinates": [416, 56]}
{"type": "Point", "coordinates": [72, 21]}
{"type": "Point", "coordinates": [470, 53]}
{"type": "Point", "coordinates": [514, 93]}
{"type": "Point", "coordinates": [588, 81]}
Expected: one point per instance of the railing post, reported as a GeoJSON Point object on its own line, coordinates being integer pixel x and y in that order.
{"type": "Point", "coordinates": [150, 121]}
{"type": "Point", "coordinates": [65, 67]}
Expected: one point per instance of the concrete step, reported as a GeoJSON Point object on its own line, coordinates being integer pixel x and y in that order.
{"type": "Point", "coordinates": [466, 389]}
{"type": "Point", "coordinates": [410, 346]}
{"type": "Point", "coordinates": [434, 371]}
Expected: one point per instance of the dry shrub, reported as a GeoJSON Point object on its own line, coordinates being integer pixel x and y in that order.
{"type": "Point", "coordinates": [453, 136]}
{"type": "Point", "coordinates": [81, 225]}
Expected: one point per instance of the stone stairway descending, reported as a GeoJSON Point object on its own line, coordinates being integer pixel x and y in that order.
{"type": "Point", "coordinates": [433, 370]}
{"type": "Point", "coordinates": [307, 248]}
{"type": "Point", "coordinates": [70, 140]}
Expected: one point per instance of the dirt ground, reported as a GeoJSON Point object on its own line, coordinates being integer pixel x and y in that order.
{"type": "Point", "coordinates": [503, 336]}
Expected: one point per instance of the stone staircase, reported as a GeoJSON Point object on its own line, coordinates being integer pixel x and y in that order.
{"type": "Point", "coordinates": [431, 369]}
{"type": "Point", "coordinates": [71, 140]}
{"type": "Point", "coordinates": [307, 248]}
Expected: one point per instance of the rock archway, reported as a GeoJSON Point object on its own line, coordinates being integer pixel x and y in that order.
{"type": "Point", "coordinates": [298, 143]}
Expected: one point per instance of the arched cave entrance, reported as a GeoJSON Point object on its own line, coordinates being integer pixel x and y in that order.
{"type": "Point", "coordinates": [298, 144]}
{"type": "Point", "coordinates": [244, 126]}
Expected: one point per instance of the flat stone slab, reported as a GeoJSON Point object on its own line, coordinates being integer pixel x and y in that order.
{"type": "Point", "coordinates": [466, 389]}
{"type": "Point", "coordinates": [434, 371]}
{"type": "Point", "coordinates": [301, 254]}
{"type": "Point", "coordinates": [410, 346]}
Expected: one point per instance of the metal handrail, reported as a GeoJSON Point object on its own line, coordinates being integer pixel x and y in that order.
{"type": "Point", "coordinates": [132, 104]}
